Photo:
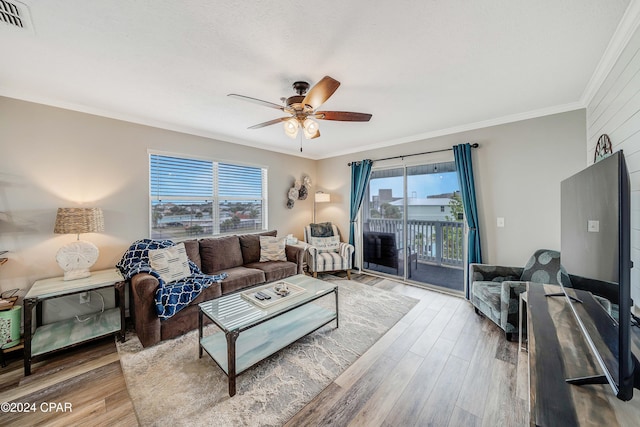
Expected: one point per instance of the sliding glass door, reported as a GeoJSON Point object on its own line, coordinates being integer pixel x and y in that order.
{"type": "Point", "coordinates": [383, 226]}
{"type": "Point", "coordinates": [413, 225]}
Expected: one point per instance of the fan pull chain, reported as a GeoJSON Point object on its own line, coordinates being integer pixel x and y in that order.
{"type": "Point", "coordinates": [301, 142]}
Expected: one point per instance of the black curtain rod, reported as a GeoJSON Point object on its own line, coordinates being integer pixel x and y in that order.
{"type": "Point", "coordinates": [476, 145]}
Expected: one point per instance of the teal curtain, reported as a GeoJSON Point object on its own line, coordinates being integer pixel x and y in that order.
{"type": "Point", "coordinates": [464, 166]}
{"type": "Point", "coordinates": [360, 174]}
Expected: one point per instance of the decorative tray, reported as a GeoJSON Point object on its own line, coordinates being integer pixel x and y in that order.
{"type": "Point", "coordinates": [257, 295]}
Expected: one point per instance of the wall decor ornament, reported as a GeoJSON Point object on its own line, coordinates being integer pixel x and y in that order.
{"type": "Point", "coordinates": [303, 193]}
{"type": "Point", "coordinates": [603, 148]}
{"type": "Point", "coordinates": [304, 188]}
{"type": "Point", "coordinates": [293, 194]}
{"type": "Point", "coordinates": [299, 191]}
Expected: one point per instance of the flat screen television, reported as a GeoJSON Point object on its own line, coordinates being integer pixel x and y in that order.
{"type": "Point", "coordinates": [595, 244]}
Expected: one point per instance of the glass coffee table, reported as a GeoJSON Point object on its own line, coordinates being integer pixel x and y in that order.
{"type": "Point", "coordinates": [252, 333]}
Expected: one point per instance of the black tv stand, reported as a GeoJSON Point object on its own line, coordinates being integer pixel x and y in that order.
{"type": "Point", "coordinates": [602, 379]}
{"type": "Point", "coordinates": [595, 379]}
{"type": "Point", "coordinates": [554, 341]}
{"type": "Point", "coordinates": [633, 378]}
{"type": "Point", "coordinates": [561, 294]}
{"type": "Point", "coordinates": [636, 371]}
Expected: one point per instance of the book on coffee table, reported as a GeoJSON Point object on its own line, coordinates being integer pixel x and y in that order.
{"type": "Point", "coordinates": [258, 295]}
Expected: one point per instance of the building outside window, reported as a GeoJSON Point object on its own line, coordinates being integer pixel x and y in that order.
{"type": "Point", "coordinates": [192, 198]}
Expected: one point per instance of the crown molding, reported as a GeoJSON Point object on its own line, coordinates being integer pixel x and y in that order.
{"type": "Point", "coordinates": [143, 121]}
{"type": "Point", "coordinates": [534, 114]}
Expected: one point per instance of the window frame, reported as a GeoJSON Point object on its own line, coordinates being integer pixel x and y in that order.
{"type": "Point", "coordinates": [215, 198]}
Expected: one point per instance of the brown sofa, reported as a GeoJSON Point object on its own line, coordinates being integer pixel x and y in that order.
{"type": "Point", "coordinates": [237, 255]}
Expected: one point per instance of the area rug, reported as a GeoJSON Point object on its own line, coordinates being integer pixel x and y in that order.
{"type": "Point", "coordinates": [169, 385]}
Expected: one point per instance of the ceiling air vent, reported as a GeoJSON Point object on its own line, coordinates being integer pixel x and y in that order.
{"type": "Point", "coordinates": [15, 14]}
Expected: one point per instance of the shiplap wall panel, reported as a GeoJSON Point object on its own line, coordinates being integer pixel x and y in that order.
{"type": "Point", "coordinates": [627, 83]}
{"type": "Point", "coordinates": [633, 163]}
{"type": "Point", "coordinates": [603, 96]}
{"type": "Point", "coordinates": [626, 136]}
{"type": "Point", "coordinates": [617, 113]}
{"type": "Point", "coordinates": [619, 126]}
{"type": "Point", "coordinates": [635, 210]}
{"type": "Point", "coordinates": [635, 238]}
{"type": "Point", "coordinates": [615, 110]}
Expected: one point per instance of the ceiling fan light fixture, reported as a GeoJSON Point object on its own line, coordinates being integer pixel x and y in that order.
{"type": "Point", "coordinates": [291, 128]}
{"type": "Point", "coordinates": [304, 106]}
{"type": "Point", "coordinates": [310, 128]}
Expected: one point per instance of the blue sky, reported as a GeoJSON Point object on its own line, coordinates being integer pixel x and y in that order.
{"type": "Point", "coordinates": [422, 185]}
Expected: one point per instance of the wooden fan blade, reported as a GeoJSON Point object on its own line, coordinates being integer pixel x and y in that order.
{"type": "Point", "coordinates": [344, 116]}
{"type": "Point", "coordinates": [269, 123]}
{"type": "Point", "coordinates": [321, 92]}
{"type": "Point", "coordinates": [257, 101]}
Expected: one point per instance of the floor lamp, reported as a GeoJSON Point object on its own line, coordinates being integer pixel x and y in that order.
{"type": "Point", "coordinates": [320, 197]}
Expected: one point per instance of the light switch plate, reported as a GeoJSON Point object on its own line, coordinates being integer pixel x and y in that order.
{"type": "Point", "coordinates": [500, 222]}
{"type": "Point", "coordinates": [593, 226]}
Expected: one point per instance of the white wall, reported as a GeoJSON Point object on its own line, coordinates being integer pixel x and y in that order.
{"type": "Point", "coordinates": [51, 157]}
{"type": "Point", "coordinates": [615, 111]}
{"type": "Point", "coordinates": [518, 169]}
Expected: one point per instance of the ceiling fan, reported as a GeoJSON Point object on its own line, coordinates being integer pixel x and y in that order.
{"type": "Point", "coordinates": [303, 108]}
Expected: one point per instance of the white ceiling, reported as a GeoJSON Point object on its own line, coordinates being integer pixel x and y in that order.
{"type": "Point", "coordinates": [421, 67]}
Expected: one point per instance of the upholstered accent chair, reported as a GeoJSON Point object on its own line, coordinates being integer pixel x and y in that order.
{"type": "Point", "coordinates": [326, 252]}
{"type": "Point", "coordinates": [495, 290]}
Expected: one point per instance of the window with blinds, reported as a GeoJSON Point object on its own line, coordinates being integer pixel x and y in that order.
{"type": "Point", "coordinates": [192, 198]}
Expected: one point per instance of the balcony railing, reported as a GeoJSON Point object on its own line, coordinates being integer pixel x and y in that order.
{"type": "Point", "coordinates": [436, 242]}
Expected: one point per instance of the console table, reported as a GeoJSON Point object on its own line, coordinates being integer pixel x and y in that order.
{"type": "Point", "coordinates": [42, 340]}
{"type": "Point", "coordinates": [558, 350]}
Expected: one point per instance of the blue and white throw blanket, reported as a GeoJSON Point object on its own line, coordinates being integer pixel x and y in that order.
{"type": "Point", "coordinates": [170, 297]}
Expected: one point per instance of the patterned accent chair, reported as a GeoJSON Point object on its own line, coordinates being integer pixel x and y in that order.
{"type": "Point", "coordinates": [325, 251]}
{"type": "Point", "coordinates": [495, 290]}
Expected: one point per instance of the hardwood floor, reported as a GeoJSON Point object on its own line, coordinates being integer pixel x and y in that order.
{"type": "Point", "coordinates": [84, 387]}
{"type": "Point", "coordinates": [441, 365]}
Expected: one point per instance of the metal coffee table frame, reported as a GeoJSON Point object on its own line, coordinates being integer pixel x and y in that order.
{"type": "Point", "coordinates": [266, 331]}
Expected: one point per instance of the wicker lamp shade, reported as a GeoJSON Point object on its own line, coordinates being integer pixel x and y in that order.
{"type": "Point", "coordinates": [79, 220]}
{"type": "Point", "coordinates": [76, 258]}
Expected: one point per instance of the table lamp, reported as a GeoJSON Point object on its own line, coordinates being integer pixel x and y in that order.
{"type": "Point", "coordinates": [76, 258]}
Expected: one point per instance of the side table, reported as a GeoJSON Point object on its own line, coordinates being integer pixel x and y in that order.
{"type": "Point", "coordinates": [304, 246]}
{"type": "Point", "coordinates": [42, 340]}
{"type": "Point", "coordinates": [522, 319]}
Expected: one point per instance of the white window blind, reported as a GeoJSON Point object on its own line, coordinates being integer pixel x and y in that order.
{"type": "Point", "coordinates": [173, 178]}
{"type": "Point", "coordinates": [192, 198]}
